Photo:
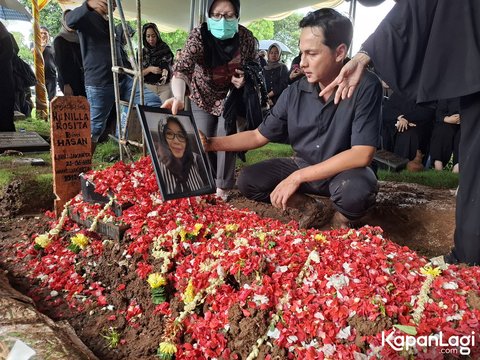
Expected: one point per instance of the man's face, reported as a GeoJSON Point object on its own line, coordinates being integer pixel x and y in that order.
{"type": "Point", "coordinates": [320, 63]}
{"type": "Point", "coordinates": [44, 37]}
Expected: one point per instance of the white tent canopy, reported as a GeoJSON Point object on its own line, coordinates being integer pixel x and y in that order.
{"type": "Point", "coordinates": [171, 15]}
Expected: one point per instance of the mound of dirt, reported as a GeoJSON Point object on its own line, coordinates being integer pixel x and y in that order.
{"type": "Point", "coordinates": [413, 215]}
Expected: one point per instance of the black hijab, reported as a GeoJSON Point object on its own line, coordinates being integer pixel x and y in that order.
{"type": "Point", "coordinates": [219, 52]}
{"type": "Point", "coordinates": [159, 55]}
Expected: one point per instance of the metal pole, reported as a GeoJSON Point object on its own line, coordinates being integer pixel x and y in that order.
{"type": "Point", "coordinates": [140, 64]}
{"type": "Point", "coordinates": [192, 14]}
{"type": "Point", "coordinates": [352, 13]}
{"type": "Point", "coordinates": [116, 84]}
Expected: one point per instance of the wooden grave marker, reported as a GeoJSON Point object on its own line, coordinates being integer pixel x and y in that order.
{"type": "Point", "coordinates": [71, 146]}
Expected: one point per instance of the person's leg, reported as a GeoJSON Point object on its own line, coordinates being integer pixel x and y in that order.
{"type": "Point", "coordinates": [456, 143]}
{"type": "Point", "coordinates": [257, 181]}
{"type": "Point", "coordinates": [225, 161]}
{"type": "Point", "coordinates": [406, 144]}
{"type": "Point", "coordinates": [51, 85]}
{"type": "Point", "coordinates": [353, 192]}
{"type": "Point", "coordinates": [467, 231]}
{"type": "Point", "coordinates": [7, 104]}
{"type": "Point", "coordinates": [101, 100]}
{"type": "Point", "coordinates": [126, 86]}
{"type": "Point", "coordinates": [440, 145]}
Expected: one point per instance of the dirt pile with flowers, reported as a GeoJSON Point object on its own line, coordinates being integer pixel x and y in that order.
{"type": "Point", "coordinates": [199, 279]}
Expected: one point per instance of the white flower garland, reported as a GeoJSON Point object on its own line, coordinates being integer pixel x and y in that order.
{"type": "Point", "coordinates": [45, 239]}
{"type": "Point", "coordinates": [313, 256]}
{"type": "Point", "coordinates": [101, 214]}
{"type": "Point", "coordinates": [423, 297]}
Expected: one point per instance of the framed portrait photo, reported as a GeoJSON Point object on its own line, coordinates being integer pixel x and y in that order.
{"type": "Point", "coordinates": [180, 163]}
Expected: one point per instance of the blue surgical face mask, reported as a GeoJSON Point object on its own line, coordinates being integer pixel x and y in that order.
{"type": "Point", "coordinates": [222, 29]}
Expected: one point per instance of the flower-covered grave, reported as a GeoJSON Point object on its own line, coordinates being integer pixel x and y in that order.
{"type": "Point", "coordinates": [198, 279]}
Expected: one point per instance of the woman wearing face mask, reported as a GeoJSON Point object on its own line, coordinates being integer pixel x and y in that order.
{"type": "Point", "coordinates": [210, 66]}
{"type": "Point", "coordinates": [157, 62]}
{"type": "Point", "coordinates": [178, 163]}
{"type": "Point", "coordinates": [275, 73]}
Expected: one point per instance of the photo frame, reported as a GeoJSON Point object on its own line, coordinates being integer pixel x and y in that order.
{"type": "Point", "coordinates": [180, 163]}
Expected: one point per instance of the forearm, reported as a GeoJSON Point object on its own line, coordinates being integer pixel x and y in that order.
{"type": "Point", "coordinates": [178, 88]}
{"type": "Point", "coordinates": [242, 141]}
{"type": "Point", "coordinates": [357, 157]}
{"type": "Point", "coordinates": [72, 18]}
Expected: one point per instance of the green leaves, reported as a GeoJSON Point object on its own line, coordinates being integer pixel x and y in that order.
{"type": "Point", "coordinates": [159, 295]}
{"type": "Point", "coordinates": [407, 329]}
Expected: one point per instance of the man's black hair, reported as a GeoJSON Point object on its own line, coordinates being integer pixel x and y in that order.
{"type": "Point", "coordinates": [337, 28]}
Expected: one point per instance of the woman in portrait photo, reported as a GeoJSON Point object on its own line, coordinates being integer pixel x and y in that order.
{"type": "Point", "coordinates": [179, 165]}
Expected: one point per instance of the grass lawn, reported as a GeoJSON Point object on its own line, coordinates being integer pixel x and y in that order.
{"type": "Point", "coordinates": [107, 153]}
{"type": "Point", "coordinates": [436, 179]}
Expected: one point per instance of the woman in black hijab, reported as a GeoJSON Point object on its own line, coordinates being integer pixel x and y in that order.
{"type": "Point", "coordinates": [275, 73]}
{"type": "Point", "coordinates": [157, 62]}
{"type": "Point", "coordinates": [210, 65]}
{"type": "Point", "coordinates": [7, 98]}
{"type": "Point", "coordinates": [68, 59]}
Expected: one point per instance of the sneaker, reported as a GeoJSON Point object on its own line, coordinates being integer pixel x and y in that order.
{"type": "Point", "coordinates": [316, 215]}
{"type": "Point", "coordinates": [223, 194]}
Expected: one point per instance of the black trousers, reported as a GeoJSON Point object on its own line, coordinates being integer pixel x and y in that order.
{"type": "Point", "coordinates": [352, 192]}
{"type": "Point", "coordinates": [445, 141]}
{"type": "Point", "coordinates": [467, 221]}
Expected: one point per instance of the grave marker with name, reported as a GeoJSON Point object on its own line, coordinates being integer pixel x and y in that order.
{"type": "Point", "coordinates": [71, 146]}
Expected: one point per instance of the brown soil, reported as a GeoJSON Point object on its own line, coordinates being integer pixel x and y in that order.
{"type": "Point", "coordinates": [411, 215]}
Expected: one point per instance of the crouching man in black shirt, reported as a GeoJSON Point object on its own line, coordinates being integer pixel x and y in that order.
{"type": "Point", "coordinates": [334, 144]}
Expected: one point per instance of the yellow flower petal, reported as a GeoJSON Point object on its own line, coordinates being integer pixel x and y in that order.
{"type": "Point", "coordinates": [81, 240]}
{"type": "Point", "coordinates": [321, 238]}
{"type": "Point", "coordinates": [43, 240]}
{"type": "Point", "coordinates": [189, 294]}
{"type": "Point", "coordinates": [155, 280]}
{"type": "Point", "coordinates": [167, 348]}
{"type": "Point", "coordinates": [429, 271]}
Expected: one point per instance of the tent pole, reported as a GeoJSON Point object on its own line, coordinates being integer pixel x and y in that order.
{"type": "Point", "coordinates": [352, 13]}
{"type": "Point", "coordinates": [116, 85]}
{"type": "Point", "coordinates": [140, 65]}
{"type": "Point", "coordinates": [192, 14]}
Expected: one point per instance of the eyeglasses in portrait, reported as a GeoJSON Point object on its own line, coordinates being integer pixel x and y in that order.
{"type": "Point", "coordinates": [180, 164]}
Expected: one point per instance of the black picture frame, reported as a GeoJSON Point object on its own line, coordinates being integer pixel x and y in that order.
{"type": "Point", "coordinates": [174, 181]}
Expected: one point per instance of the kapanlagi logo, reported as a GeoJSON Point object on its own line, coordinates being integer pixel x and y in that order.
{"type": "Point", "coordinates": [453, 345]}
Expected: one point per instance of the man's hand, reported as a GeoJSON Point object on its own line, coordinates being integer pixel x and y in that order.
{"type": "Point", "coordinates": [204, 141]}
{"type": "Point", "coordinates": [99, 6]}
{"type": "Point", "coordinates": [284, 190]}
{"type": "Point", "coordinates": [238, 80]}
{"type": "Point", "coordinates": [349, 78]}
{"type": "Point", "coordinates": [174, 104]}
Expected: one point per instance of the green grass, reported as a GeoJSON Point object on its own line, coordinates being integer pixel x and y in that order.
{"type": "Point", "coordinates": [107, 154]}
{"type": "Point", "coordinates": [266, 152]}
{"type": "Point", "coordinates": [32, 124]}
{"type": "Point", "coordinates": [436, 179]}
